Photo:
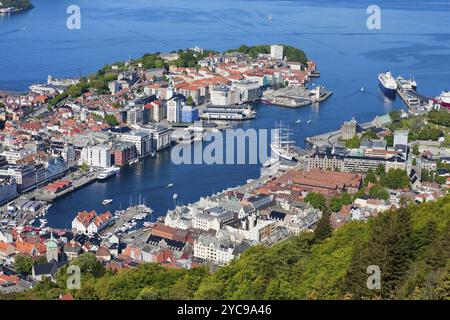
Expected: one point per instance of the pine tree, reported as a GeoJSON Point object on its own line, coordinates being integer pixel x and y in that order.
{"type": "Point", "coordinates": [380, 246]}
{"type": "Point", "coordinates": [402, 248]}
{"type": "Point", "coordinates": [323, 229]}
{"type": "Point", "coordinates": [355, 282]}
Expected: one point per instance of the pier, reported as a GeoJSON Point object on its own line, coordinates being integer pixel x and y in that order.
{"type": "Point", "coordinates": [415, 102]}
{"type": "Point", "coordinates": [126, 220]}
{"type": "Point", "coordinates": [77, 183]}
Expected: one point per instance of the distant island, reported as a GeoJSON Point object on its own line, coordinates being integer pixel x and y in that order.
{"type": "Point", "coordinates": [10, 6]}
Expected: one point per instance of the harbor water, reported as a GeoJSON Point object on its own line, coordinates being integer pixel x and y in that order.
{"type": "Point", "coordinates": [332, 33]}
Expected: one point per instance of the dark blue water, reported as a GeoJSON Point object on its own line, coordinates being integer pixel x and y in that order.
{"type": "Point", "coordinates": [414, 40]}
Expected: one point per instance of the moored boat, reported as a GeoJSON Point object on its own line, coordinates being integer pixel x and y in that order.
{"type": "Point", "coordinates": [387, 84]}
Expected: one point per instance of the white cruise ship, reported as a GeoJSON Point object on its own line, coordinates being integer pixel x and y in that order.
{"type": "Point", "coordinates": [108, 173]}
{"type": "Point", "coordinates": [387, 84]}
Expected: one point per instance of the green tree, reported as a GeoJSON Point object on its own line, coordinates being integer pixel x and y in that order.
{"type": "Point", "coordinates": [369, 134]}
{"type": "Point", "coordinates": [335, 204]}
{"type": "Point", "coordinates": [23, 264]}
{"type": "Point", "coordinates": [89, 265]}
{"type": "Point", "coordinates": [370, 177]}
{"type": "Point", "coordinates": [190, 101]}
{"type": "Point", "coordinates": [111, 120]}
{"type": "Point", "coordinates": [395, 179]}
{"type": "Point", "coordinates": [389, 140]}
{"type": "Point", "coordinates": [323, 229]}
{"type": "Point", "coordinates": [316, 200]}
{"type": "Point", "coordinates": [84, 167]}
{"type": "Point", "coordinates": [395, 115]}
{"type": "Point", "coordinates": [415, 150]}
{"type": "Point", "coordinates": [352, 143]}
{"type": "Point", "coordinates": [150, 293]}
{"type": "Point", "coordinates": [346, 198]}
{"type": "Point", "coordinates": [381, 170]}
{"type": "Point", "coordinates": [379, 192]}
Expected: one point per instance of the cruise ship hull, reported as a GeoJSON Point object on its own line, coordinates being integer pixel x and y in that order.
{"type": "Point", "coordinates": [388, 92]}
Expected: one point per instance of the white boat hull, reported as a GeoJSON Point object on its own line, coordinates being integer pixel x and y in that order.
{"type": "Point", "coordinates": [282, 153]}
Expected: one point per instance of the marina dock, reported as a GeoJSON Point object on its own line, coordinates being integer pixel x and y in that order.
{"type": "Point", "coordinates": [127, 220]}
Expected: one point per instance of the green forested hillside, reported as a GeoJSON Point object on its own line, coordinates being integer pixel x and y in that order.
{"type": "Point", "coordinates": [411, 246]}
{"type": "Point", "coordinates": [291, 53]}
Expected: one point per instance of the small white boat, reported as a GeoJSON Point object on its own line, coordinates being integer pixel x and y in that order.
{"type": "Point", "coordinates": [298, 121]}
{"type": "Point", "coordinates": [43, 222]}
{"type": "Point", "coordinates": [170, 185]}
{"type": "Point", "coordinates": [107, 201]}
{"type": "Point", "coordinates": [309, 121]}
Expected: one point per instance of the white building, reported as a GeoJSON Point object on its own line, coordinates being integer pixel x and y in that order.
{"type": "Point", "coordinates": [276, 52]}
{"type": "Point", "coordinates": [212, 219]}
{"type": "Point", "coordinates": [98, 156]}
{"type": "Point", "coordinates": [401, 140]}
{"type": "Point", "coordinates": [159, 110]}
{"type": "Point", "coordinates": [160, 136]}
{"type": "Point", "coordinates": [91, 223]}
{"type": "Point", "coordinates": [142, 141]}
{"type": "Point", "coordinates": [174, 106]}
{"type": "Point", "coordinates": [219, 251]}
{"type": "Point", "coordinates": [135, 116]}
{"type": "Point", "coordinates": [224, 96]}
{"type": "Point", "coordinates": [68, 153]}
{"type": "Point", "coordinates": [248, 90]}
{"type": "Point", "coordinates": [14, 156]}
{"type": "Point", "coordinates": [114, 87]}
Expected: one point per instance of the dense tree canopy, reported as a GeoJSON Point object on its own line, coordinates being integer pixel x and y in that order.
{"type": "Point", "coordinates": [395, 179]}
{"type": "Point", "coordinates": [291, 53]}
{"type": "Point", "coordinates": [316, 200]}
{"type": "Point", "coordinates": [23, 264]}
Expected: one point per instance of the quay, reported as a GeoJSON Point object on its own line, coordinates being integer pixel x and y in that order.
{"type": "Point", "coordinates": [296, 97]}
{"type": "Point", "coordinates": [76, 183]}
{"type": "Point", "coordinates": [407, 90]}
{"type": "Point", "coordinates": [332, 138]}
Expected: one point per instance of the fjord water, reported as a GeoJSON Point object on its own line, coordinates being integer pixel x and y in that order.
{"type": "Point", "coordinates": [413, 41]}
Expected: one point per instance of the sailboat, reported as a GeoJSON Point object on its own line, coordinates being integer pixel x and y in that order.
{"type": "Point", "coordinates": [281, 145]}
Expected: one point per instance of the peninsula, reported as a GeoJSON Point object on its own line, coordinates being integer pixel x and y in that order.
{"type": "Point", "coordinates": [11, 6]}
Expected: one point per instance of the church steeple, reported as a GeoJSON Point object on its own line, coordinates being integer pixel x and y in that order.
{"type": "Point", "coordinates": [52, 248]}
